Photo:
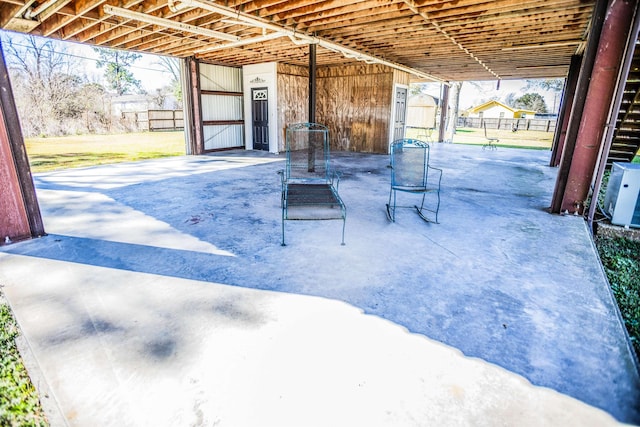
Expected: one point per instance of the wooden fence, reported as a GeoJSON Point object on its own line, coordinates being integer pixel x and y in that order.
{"type": "Point", "coordinates": [544, 125]}
{"type": "Point", "coordinates": [156, 120]}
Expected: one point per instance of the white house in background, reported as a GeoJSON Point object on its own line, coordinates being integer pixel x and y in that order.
{"type": "Point", "coordinates": [137, 103]}
{"type": "Point", "coordinates": [421, 111]}
{"type": "Point", "coordinates": [497, 110]}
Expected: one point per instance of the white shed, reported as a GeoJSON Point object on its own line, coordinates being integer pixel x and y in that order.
{"type": "Point", "coordinates": [421, 111]}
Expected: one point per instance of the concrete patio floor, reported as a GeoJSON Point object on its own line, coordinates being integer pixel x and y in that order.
{"type": "Point", "coordinates": [162, 297]}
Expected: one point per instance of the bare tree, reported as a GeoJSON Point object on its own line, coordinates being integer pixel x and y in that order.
{"type": "Point", "coordinates": [172, 66]}
{"type": "Point", "coordinates": [44, 93]}
{"type": "Point", "coordinates": [50, 96]}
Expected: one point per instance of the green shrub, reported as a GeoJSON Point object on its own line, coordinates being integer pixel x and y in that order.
{"type": "Point", "coordinates": [19, 401]}
{"type": "Point", "coordinates": [621, 260]}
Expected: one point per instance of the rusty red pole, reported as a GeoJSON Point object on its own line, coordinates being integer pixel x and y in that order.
{"type": "Point", "coordinates": [577, 105]}
{"type": "Point", "coordinates": [20, 216]}
{"type": "Point", "coordinates": [14, 223]}
{"type": "Point", "coordinates": [608, 61]}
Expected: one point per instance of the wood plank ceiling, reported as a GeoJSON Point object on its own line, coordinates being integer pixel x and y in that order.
{"type": "Point", "coordinates": [449, 40]}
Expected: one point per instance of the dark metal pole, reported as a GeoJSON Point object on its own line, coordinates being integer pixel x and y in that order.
{"type": "Point", "coordinates": [568, 96]}
{"type": "Point", "coordinates": [312, 83]}
{"type": "Point", "coordinates": [600, 95]}
{"type": "Point", "coordinates": [197, 140]}
{"type": "Point", "coordinates": [597, 21]}
{"type": "Point", "coordinates": [613, 115]}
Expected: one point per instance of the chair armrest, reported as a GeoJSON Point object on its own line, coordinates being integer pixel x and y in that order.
{"type": "Point", "coordinates": [438, 171]}
{"type": "Point", "coordinates": [335, 179]}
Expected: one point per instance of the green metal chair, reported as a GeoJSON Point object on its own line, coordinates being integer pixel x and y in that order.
{"type": "Point", "coordinates": [491, 140]}
{"type": "Point", "coordinates": [309, 185]}
{"type": "Point", "coordinates": [411, 173]}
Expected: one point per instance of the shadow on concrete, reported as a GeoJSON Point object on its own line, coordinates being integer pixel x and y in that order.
{"type": "Point", "coordinates": [499, 278]}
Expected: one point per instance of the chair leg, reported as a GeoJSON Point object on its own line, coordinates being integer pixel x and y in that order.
{"type": "Point", "coordinates": [391, 212]}
{"type": "Point", "coordinates": [421, 208]}
{"type": "Point", "coordinates": [422, 204]}
{"type": "Point", "coordinates": [283, 215]}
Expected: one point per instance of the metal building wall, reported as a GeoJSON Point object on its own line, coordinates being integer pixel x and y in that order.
{"type": "Point", "coordinates": [222, 107]}
{"type": "Point", "coordinates": [220, 79]}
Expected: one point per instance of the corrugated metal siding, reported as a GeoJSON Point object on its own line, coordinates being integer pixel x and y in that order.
{"type": "Point", "coordinates": [223, 136]}
{"type": "Point", "coordinates": [219, 78]}
{"type": "Point", "coordinates": [221, 107]}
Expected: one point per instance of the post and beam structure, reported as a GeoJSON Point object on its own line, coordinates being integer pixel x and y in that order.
{"type": "Point", "coordinates": [312, 83]}
{"type": "Point", "coordinates": [568, 95]}
{"type": "Point", "coordinates": [20, 216]}
{"type": "Point", "coordinates": [586, 129]}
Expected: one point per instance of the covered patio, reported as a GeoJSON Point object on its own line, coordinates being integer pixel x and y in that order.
{"type": "Point", "coordinates": [151, 304]}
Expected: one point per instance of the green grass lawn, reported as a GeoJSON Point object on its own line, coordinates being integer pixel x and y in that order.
{"type": "Point", "coordinates": [621, 260]}
{"type": "Point", "coordinates": [520, 139]}
{"type": "Point", "coordinates": [47, 154]}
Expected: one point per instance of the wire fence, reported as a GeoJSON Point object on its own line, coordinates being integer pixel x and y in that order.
{"type": "Point", "coordinates": [544, 125]}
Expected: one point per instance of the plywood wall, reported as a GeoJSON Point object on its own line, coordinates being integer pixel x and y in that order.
{"type": "Point", "coordinates": [293, 98]}
{"type": "Point", "coordinates": [355, 102]}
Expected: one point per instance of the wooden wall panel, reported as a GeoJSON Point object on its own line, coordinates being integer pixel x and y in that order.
{"type": "Point", "coordinates": [293, 98]}
{"type": "Point", "coordinates": [401, 77]}
{"type": "Point", "coordinates": [355, 102]}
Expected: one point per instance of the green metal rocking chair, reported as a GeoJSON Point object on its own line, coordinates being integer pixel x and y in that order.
{"type": "Point", "coordinates": [411, 173]}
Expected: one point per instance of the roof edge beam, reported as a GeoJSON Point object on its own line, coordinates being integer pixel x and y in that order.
{"type": "Point", "coordinates": [263, 23]}
{"type": "Point", "coordinates": [168, 23]}
{"type": "Point", "coordinates": [242, 42]}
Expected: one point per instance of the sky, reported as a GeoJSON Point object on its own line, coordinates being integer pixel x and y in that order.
{"type": "Point", "coordinates": [146, 69]}
{"type": "Point", "coordinates": [475, 93]}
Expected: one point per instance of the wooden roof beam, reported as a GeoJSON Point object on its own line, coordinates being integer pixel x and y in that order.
{"type": "Point", "coordinates": [167, 23]}
{"type": "Point", "coordinates": [261, 23]}
{"type": "Point", "coordinates": [412, 6]}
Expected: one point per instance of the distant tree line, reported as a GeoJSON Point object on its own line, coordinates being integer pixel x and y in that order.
{"type": "Point", "coordinates": [54, 96]}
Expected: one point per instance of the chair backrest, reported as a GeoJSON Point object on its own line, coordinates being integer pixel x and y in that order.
{"type": "Point", "coordinates": [409, 161]}
{"type": "Point", "coordinates": [307, 152]}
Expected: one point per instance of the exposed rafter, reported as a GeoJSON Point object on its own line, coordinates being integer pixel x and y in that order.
{"type": "Point", "coordinates": [168, 23]}
{"type": "Point", "coordinates": [301, 36]}
{"type": "Point", "coordinates": [451, 41]}
{"type": "Point", "coordinates": [444, 32]}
